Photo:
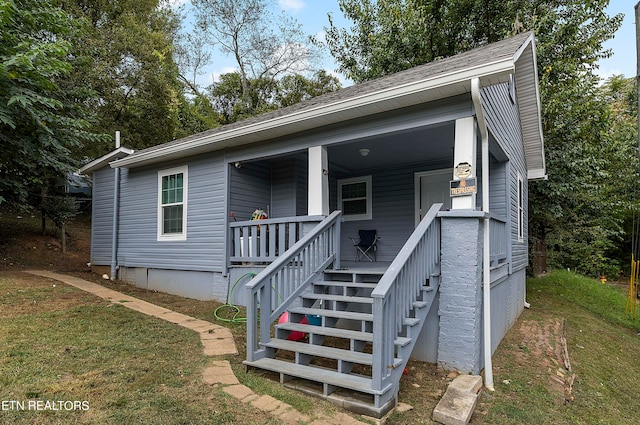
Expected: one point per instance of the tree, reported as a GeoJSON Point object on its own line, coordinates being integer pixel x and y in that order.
{"type": "Point", "coordinates": [126, 50]}
{"type": "Point", "coordinates": [391, 35]}
{"type": "Point", "coordinates": [244, 30]}
{"type": "Point", "coordinates": [41, 121]}
{"type": "Point", "coordinates": [296, 88]}
{"type": "Point", "coordinates": [266, 95]}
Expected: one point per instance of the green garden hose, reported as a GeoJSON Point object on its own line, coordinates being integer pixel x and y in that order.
{"type": "Point", "coordinates": [235, 310]}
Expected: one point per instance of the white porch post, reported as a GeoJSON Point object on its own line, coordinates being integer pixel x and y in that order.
{"type": "Point", "coordinates": [318, 200]}
{"type": "Point", "coordinates": [465, 153]}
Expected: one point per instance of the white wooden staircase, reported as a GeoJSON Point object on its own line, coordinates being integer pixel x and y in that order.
{"type": "Point", "coordinates": [362, 325]}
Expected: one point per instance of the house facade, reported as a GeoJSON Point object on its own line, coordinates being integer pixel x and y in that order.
{"type": "Point", "coordinates": [436, 159]}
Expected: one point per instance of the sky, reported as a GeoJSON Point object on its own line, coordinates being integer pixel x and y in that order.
{"type": "Point", "coordinates": [623, 60]}
{"type": "Point", "coordinates": [312, 14]}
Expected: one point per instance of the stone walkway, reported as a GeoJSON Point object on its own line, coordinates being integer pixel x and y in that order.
{"type": "Point", "coordinates": [216, 341]}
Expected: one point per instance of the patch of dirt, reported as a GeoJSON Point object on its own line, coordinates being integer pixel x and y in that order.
{"type": "Point", "coordinates": [24, 245]}
{"type": "Point", "coordinates": [541, 342]}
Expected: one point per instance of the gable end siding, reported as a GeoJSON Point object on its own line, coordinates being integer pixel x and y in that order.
{"type": "Point", "coordinates": [504, 123]}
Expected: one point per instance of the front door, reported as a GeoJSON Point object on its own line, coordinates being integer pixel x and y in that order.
{"type": "Point", "coordinates": [431, 187]}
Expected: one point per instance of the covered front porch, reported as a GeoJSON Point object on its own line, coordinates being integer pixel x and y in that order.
{"type": "Point", "coordinates": [384, 181]}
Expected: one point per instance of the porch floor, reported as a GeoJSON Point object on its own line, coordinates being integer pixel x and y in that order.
{"type": "Point", "coordinates": [362, 267]}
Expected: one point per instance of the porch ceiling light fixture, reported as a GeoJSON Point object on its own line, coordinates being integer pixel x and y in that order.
{"type": "Point", "coordinates": [364, 151]}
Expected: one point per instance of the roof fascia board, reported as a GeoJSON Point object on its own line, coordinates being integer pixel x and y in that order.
{"type": "Point", "coordinates": [528, 46]}
{"type": "Point", "coordinates": [105, 159]}
{"type": "Point", "coordinates": [537, 174]}
{"type": "Point", "coordinates": [500, 67]}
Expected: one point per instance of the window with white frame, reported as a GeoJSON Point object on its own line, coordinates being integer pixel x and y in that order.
{"type": "Point", "coordinates": [354, 198]}
{"type": "Point", "coordinates": [520, 209]}
{"type": "Point", "coordinates": [172, 204]}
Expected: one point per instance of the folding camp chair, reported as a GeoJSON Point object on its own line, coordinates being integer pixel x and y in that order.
{"type": "Point", "coordinates": [365, 244]}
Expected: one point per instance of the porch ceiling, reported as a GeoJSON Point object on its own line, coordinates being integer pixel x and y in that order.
{"type": "Point", "coordinates": [427, 144]}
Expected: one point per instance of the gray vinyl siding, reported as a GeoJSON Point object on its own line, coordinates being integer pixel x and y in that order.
{"type": "Point", "coordinates": [393, 210]}
{"type": "Point", "coordinates": [498, 188]}
{"type": "Point", "coordinates": [283, 188]}
{"type": "Point", "coordinates": [504, 124]}
{"type": "Point", "coordinates": [302, 186]}
{"type": "Point", "coordinates": [206, 229]}
{"type": "Point", "coordinates": [250, 189]}
{"type": "Point", "coordinates": [102, 216]}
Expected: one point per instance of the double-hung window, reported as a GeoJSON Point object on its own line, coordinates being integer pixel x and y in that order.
{"type": "Point", "coordinates": [354, 198]}
{"type": "Point", "coordinates": [172, 204]}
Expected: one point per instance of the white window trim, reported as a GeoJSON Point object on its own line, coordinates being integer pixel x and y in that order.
{"type": "Point", "coordinates": [185, 179]}
{"type": "Point", "coordinates": [354, 217]}
{"type": "Point", "coordinates": [520, 208]}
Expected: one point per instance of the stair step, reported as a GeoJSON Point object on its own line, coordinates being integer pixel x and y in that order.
{"type": "Point", "coordinates": [362, 272]}
{"type": "Point", "coordinates": [402, 341]}
{"type": "Point", "coordinates": [337, 332]}
{"type": "Point", "coordinates": [411, 321]}
{"type": "Point", "coordinates": [327, 331]}
{"type": "Point", "coordinates": [321, 351]}
{"type": "Point", "coordinates": [342, 298]}
{"type": "Point", "coordinates": [314, 373]}
{"type": "Point", "coordinates": [346, 284]}
{"type": "Point", "coordinates": [368, 317]}
{"type": "Point", "coordinates": [420, 304]}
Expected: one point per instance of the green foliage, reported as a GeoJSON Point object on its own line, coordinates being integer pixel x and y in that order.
{"type": "Point", "coordinates": [296, 88]}
{"type": "Point", "coordinates": [581, 210]}
{"type": "Point", "coordinates": [60, 209]}
{"type": "Point", "coordinates": [391, 35]}
{"type": "Point", "coordinates": [41, 121]}
{"type": "Point", "coordinates": [265, 94]}
{"type": "Point", "coordinates": [125, 61]}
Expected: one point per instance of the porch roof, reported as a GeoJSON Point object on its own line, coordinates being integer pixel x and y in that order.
{"type": "Point", "coordinates": [492, 64]}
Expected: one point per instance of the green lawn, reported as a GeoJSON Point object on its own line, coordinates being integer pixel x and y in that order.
{"type": "Point", "coordinates": [604, 353]}
{"type": "Point", "coordinates": [60, 345]}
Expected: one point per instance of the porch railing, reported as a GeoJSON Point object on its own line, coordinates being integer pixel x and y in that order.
{"type": "Point", "coordinates": [274, 289]}
{"type": "Point", "coordinates": [498, 236]}
{"type": "Point", "coordinates": [263, 240]}
{"type": "Point", "coordinates": [400, 287]}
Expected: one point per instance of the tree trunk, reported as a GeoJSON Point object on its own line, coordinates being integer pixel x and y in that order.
{"type": "Point", "coordinates": [63, 238]}
{"type": "Point", "coordinates": [539, 256]}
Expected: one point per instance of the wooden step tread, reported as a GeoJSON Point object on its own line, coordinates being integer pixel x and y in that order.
{"type": "Point", "coordinates": [337, 332]}
{"type": "Point", "coordinates": [402, 341]}
{"type": "Point", "coordinates": [314, 373]}
{"type": "Point", "coordinates": [338, 283]}
{"type": "Point", "coordinates": [360, 272]}
{"type": "Point", "coordinates": [321, 351]}
{"type": "Point", "coordinates": [327, 331]}
{"type": "Point", "coordinates": [411, 321]}
{"type": "Point", "coordinates": [333, 313]}
{"type": "Point", "coordinates": [342, 298]}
